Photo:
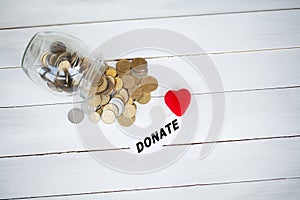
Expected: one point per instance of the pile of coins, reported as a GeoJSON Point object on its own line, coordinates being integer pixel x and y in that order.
{"type": "Point", "coordinates": [115, 93]}
{"type": "Point", "coordinates": [62, 69]}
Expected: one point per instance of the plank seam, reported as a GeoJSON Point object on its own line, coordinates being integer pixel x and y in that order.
{"type": "Point", "coordinates": [157, 188]}
{"type": "Point", "coordinates": [193, 94]}
{"type": "Point", "coordinates": [148, 18]}
{"type": "Point", "coordinates": [192, 54]}
{"type": "Point", "coordinates": [169, 145]}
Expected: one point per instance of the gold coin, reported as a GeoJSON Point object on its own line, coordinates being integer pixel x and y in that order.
{"type": "Point", "coordinates": [130, 100]}
{"type": "Point", "coordinates": [111, 72]}
{"type": "Point", "coordinates": [149, 84]}
{"type": "Point", "coordinates": [64, 65]}
{"type": "Point", "coordinates": [139, 64]}
{"type": "Point", "coordinates": [52, 59]}
{"type": "Point", "coordinates": [124, 121]}
{"type": "Point", "coordinates": [134, 105]}
{"type": "Point", "coordinates": [111, 79]}
{"type": "Point", "coordinates": [66, 55]}
{"type": "Point", "coordinates": [120, 74]}
{"type": "Point", "coordinates": [45, 57]}
{"type": "Point", "coordinates": [94, 101]}
{"type": "Point", "coordinates": [103, 86]}
{"type": "Point", "coordinates": [73, 58]}
{"type": "Point", "coordinates": [137, 94]}
{"type": "Point", "coordinates": [129, 110]}
{"type": "Point", "coordinates": [108, 116]}
{"type": "Point", "coordinates": [128, 81]}
{"type": "Point", "coordinates": [123, 65]}
{"type": "Point", "coordinates": [94, 117]}
{"type": "Point", "coordinates": [145, 99]}
{"type": "Point", "coordinates": [123, 93]}
{"type": "Point", "coordinates": [110, 87]}
{"type": "Point", "coordinates": [119, 84]}
{"type": "Point", "coordinates": [104, 99]}
{"type": "Point", "coordinates": [112, 107]}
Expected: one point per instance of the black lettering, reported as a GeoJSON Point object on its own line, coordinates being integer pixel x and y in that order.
{"type": "Point", "coordinates": [149, 142]}
{"type": "Point", "coordinates": [175, 124]}
{"type": "Point", "coordinates": [169, 128]}
{"type": "Point", "coordinates": [140, 147]}
{"type": "Point", "coordinates": [162, 133]}
{"type": "Point", "coordinates": [155, 137]}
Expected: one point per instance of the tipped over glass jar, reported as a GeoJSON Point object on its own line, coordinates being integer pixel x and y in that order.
{"type": "Point", "coordinates": [60, 63]}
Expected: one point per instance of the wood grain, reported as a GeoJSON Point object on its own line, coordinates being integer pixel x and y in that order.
{"type": "Point", "coordinates": [251, 31]}
{"type": "Point", "coordinates": [20, 14]}
{"type": "Point", "coordinates": [238, 71]}
{"type": "Point", "coordinates": [248, 115]}
{"type": "Point", "coordinates": [71, 174]}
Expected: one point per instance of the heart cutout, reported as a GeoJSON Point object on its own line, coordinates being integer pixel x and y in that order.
{"type": "Point", "coordinates": [178, 101]}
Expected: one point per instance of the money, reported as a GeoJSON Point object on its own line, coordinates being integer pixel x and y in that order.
{"type": "Point", "coordinates": [113, 92]}
{"type": "Point", "coordinates": [63, 68]}
{"type": "Point", "coordinates": [75, 116]}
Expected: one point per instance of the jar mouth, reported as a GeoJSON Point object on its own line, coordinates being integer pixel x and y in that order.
{"type": "Point", "coordinates": [90, 77]}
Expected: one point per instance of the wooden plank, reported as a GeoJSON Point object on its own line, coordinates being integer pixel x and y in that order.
{"type": "Point", "coordinates": [248, 115]}
{"type": "Point", "coordinates": [267, 190]}
{"type": "Point", "coordinates": [251, 31]}
{"type": "Point", "coordinates": [237, 71]}
{"type": "Point", "coordinates": [70, 174]}
{"type": "Point", "coordinates": [31, 13]}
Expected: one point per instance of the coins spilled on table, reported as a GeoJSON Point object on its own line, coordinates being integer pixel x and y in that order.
{"type": "Point", "coordinates": [113, 96]}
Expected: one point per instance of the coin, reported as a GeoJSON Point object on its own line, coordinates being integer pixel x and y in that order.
{"type": "Point", "coordinates": [112, 107]}
{"type": "Point", "coordinates": [104, 99]}
{"type": "Point", "coordinates": [110, 87]}
{"type": "Point", "coordinates": [130, 100]}
{"type": "Point", "coordinates": [123, 65]}
{"type": "Point", "coordinates": [103, 86]}
{"type": "Point", "coordinates": [57, 47]}
{"type": "Point", "coordinates": [94, 101]}
{"type": "Point", "coordinates": [129, 110]}
{"type": "Point", "coordinates": [45, 57]}
{"type": "Point", "coordinates": [128, 81]}
{"type": "Point", "coordinates": [100, 110]}
{"type": "Point", "coordinates": [137, 94]}
{"type": "Point", "coordinates": [124, 121]}
{"type": "Point", "coordinates": [75, 115]}
{"type": "Point", "coordinates": [94, 117]}
{"type": "Point", "coordinates": [119, 103]}
{"type": "Point", "coordinates": [149, 84]}
{"type": "Point", "coordinates": [139, 64]}
{"type": "Point", "coordinates": [108, 116]}
{"type": "Point", "coordinates": [111, 72]}
{"type": "Point", "coordinates": [52, 59]}
{"type": "Point", "coordinates": [123, 93]}
{"type": "Point", "coordinates": [119, 84]}
{"type": "Point", "coordinates": [111, 79]}
{"type": "Point", "coordinates": [64, 65]}
{"type": "Point", "coordinates": [139, 75]}
{"type": "Point", "coordinates": [145, 99]}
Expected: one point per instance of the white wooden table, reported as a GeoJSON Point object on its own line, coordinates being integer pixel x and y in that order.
{"type": "Point", "coordinates": [255, 46]}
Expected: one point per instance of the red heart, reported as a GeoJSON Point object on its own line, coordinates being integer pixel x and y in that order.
{"type": "Point", "coordinates": [178, 101]}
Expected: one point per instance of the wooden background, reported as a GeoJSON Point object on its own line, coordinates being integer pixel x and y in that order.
{"type": "Point", "coordinates": [255, 46]}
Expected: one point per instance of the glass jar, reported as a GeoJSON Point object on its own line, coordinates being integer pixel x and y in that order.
{"type": "Point", "coordinates": [60, 63]}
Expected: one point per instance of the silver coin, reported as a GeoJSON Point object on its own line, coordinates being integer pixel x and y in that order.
{"type": "Point", "coordinates": [75, 115]}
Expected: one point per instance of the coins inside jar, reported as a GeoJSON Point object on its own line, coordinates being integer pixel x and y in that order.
{"type": "Point", "coordinates": [64, 68]}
